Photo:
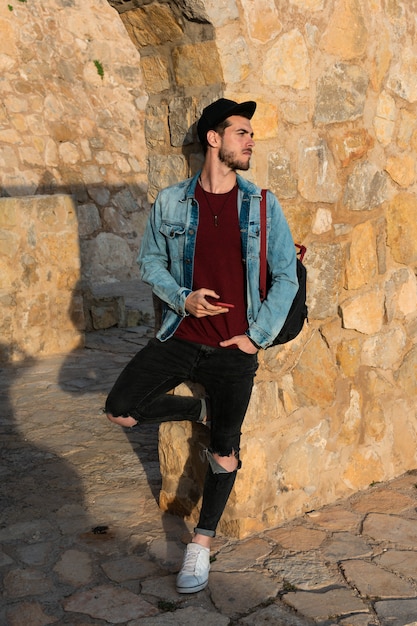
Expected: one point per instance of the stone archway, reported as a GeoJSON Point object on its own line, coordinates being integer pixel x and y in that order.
{"type": "Point", "coordinates": [182, 73]}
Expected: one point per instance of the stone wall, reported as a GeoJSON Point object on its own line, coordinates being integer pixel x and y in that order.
{"type": "Point", "coordinates": [71, 121]}
{"type": "Point", "coordinates": [336, 133]}
{"type": "Point", "coordinates": [40, 299]}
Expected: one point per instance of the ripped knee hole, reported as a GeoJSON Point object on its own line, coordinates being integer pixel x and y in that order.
{"type": "Point", "coordinates": [216, 468]}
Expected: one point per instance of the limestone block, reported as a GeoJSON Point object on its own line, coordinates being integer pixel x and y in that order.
{"type": "Point", "coordinates": [281, 177]}
{"type": "Point", "coordinates": [341, 93]}
{"type": "Point", "coordinates": [351, 145]}
{"type": "Point", "coordinates": [364, 468]}
{"type": "Point", "coordinates": [287, 62]}
{"type": "Point", "coordinates": [381, 60]}
{"type": "Point", "coordinates": [365, 188]}
{"type": "Point", "coordinates": [30, 157]}
{"type": "Point", "coordinates": [197, 65]}
{"type": "Point", "coordinates": [361, 265]}
{"type": "Point", "coordinates": [9, 135]}
{"type": "Point", "coordinates": [254, 478]}
{"type": "Point", "coordinates": [218, 11]}
{"type": "Point", "coordinates": [88, 219]}
{"type": "Point", "coordinates": [51, 153]}
{"type": "Point", "coordinates": [262, 19]}
{"type": "Point", "coordinates": [315, 374]}
{"type": "Point", "coordinates": [385, 117]}
{"type": "Point", "coordinates": [408, 125]}
{"type": "Point", "coordinates": [401, 414]}
{"type": "Point", "coordinates": [181, 118]}
{"type": "Point", "coordinates": [41, 272]}
{"type": "Point", "coordinates": [402, 228]}
{"type": "Point", "coordinates": [10, 242]}
{"type": "Point", "coordinates": [406, 375]}
{"type": "Point", "coordinates": [317, 175]}
{"type": "Point", "coordinates": [402, 169]}
{"type": "Point", "coordinates": [374, 423]}
{"type": "Point", "coordinates": [323, 222]}
{"type": "Point", "coordinates": [234, 55]}
{"type": "Point", "coordinates": [8, 42]}
{"type": "Point", "coordinates": [384, 350]}
{"type": "Point", "coordinates": [276, 363]}
{"type": "Point", "coordinates": [106, 313]}
{"type": "Point", "coordinates": [183, 465]}
{"type": "Point", "coordinates": [265, 122]}
{"type": "Point", "coordinates": [346, 35]}
{"type": "Point", "coordinates": [265, 405]}
{"type": "Point", "coordinates": [116, 222]}
{"type": "Point", "coordinates": [302, 452]}
{"type": "Point", "coordinates": [156, 126]}
{"type": "Point", "coordinates": [348, 356]}
{"type": "Point", "coordinates": [108, 255]}
{"type": "Point", "coordinates": [324, 279]}
{"type": "Point", "coordinates": [151, 25]}
{"type": "Point", "coordinates": [8, 156]}
{"type": "Point", "coordinates": [294, 111]}
{"type": "Point", "coordinates": [401, 290]}
{"type": "Point", "coordinates": [364, 312]}
{"type": "Point", "coordinates": [165, 171]}
{"type": "Point", "coordinates": [155, 73]}
{"type": "Point", "coordinates": [350, 428]}
{"type": "Point", "coordinates": [402, 78]}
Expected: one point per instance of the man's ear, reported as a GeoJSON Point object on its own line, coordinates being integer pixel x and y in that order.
{"type": "Point", "coordinates": [213, 138]}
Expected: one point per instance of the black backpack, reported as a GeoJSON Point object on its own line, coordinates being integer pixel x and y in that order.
{"type": "Point", "coordinates": [298, 312]}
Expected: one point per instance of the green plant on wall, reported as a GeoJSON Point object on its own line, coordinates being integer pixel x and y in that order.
{"type": "Point", "coordinates": [100, 70]}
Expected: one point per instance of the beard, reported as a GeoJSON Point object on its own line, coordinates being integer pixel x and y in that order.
{"type": "Point", "coordinates": [230, 159]}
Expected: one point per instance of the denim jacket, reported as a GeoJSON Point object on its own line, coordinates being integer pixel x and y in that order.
{"type": "Point", "coordinates": [166, 257]}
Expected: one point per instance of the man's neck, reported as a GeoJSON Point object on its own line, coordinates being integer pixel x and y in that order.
{"type": "Point", "coordinates": [217, 180]}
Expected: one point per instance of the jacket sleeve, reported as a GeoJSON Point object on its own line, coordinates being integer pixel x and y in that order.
{"type": "Point", "coordinates": [154, 264]}
{"type": "Point", "coordinates": [281, 259]}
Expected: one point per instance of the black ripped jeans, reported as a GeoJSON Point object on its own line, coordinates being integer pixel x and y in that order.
{"type": "Point", "coordinates": [141, 391]}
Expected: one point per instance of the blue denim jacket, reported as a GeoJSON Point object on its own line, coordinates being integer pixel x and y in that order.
{"type": "Point", "coordinates": [167, 254]}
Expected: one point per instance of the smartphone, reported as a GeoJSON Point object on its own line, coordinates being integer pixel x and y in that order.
{"type": "Point", "coordinates": [217, 303]}
{"type": "Point", "coordinates": [224, 304]}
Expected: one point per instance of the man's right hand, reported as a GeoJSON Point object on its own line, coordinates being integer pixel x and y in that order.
{"type": "Point", "coordinates": [197, 305]}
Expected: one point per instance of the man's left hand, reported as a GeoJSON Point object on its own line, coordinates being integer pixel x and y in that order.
{"type": "Point", "coordinates": [242, 342]}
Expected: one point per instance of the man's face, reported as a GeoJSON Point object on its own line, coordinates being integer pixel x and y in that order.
{"type": "Point", "coordinates": [237, 143]}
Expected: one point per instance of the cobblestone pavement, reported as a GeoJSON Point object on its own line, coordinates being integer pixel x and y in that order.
{"type": "Point", "coordinates": [82, 540]}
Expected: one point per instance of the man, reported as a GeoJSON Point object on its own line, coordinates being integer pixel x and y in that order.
{"type": "Point", "coordinates": [200, 253]}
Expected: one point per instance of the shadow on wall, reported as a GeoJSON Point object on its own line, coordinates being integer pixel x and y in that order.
{"type": "Point", "coordinates": [111, 220]}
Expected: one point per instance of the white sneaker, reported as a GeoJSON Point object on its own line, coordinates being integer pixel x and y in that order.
{"type": "Point", "coordinates": [193, 575]}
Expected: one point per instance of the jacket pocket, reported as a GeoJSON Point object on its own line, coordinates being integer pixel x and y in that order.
{"type": "Point", "coordinates": [175, 237]}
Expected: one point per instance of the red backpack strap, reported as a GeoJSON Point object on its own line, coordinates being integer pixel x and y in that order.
{"type": "Point", "coordinates": [262, 245]}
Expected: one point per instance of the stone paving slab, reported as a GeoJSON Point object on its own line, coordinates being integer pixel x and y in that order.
{"type": "Point", "coordinates": [397, 612]}
{"type": "Point", "coordinates": [319, 606]}
{"type": "Point", "coordinates": [374, 582]}
{"type": "Point", "coordinates": [82, 540]}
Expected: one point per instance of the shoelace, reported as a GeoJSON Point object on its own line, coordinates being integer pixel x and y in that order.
{"type": "Point", "coordinates": [190, 560]}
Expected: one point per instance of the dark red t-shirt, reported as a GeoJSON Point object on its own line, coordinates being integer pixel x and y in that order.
{"type": "Point", "coordinates": [218, 265]}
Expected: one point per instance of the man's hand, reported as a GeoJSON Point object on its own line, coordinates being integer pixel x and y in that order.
{"type": "Point", "coordinates": [242, 342]}
{"type": "Point", "coordinates": [197, 305]}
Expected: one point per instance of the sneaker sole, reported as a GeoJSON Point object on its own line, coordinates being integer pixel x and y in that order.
{"type": "Point", "coordinates": [192, 589]}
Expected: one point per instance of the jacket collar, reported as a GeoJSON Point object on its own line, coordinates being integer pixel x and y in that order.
{"type": "Point", "coordinates": [245, 186]}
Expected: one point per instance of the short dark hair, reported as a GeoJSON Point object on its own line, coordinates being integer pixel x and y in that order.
{"type": "Point", "coordinates": [220, 128]}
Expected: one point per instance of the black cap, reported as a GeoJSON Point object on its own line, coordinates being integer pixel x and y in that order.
{"type": "Point", "coordinates": [218, 111]}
